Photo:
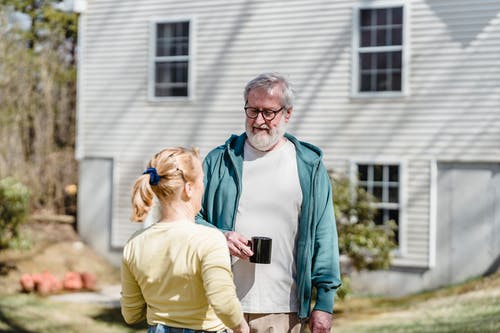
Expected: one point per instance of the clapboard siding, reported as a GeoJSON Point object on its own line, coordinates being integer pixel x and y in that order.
{"type": "Point", "coordinates": [450, 113]}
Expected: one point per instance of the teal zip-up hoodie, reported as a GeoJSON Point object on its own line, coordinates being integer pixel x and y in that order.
{"type": "Point", "coordinates": [317, 244]}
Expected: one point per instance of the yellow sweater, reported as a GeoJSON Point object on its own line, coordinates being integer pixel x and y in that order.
{"type": "Point", "coordinates": [179, 274]}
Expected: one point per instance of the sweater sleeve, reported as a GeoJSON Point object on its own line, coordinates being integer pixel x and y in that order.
{"type": "Point", "coordinates": [218, 281]}
{"type": "Point", "coordinates": [133, 305]}
{"type": "Point", "coordinates": [325, 270]}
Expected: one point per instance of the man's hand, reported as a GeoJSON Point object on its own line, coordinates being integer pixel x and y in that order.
{"type": "Point", "coordinates": [320, 322]}
{"type": "Point", "coordinates": [238, 245]}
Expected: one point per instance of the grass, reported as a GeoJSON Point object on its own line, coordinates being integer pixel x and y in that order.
{"type": "Point", "coordinates": [29, 313]}
{"type": "Point", "coordinates": [470, 307]}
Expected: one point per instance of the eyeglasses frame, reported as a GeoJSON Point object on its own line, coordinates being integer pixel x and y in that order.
{"type": "Point", "coordinates": [262, 112]}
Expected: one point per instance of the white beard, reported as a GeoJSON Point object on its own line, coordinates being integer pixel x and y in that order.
{"type": "Point", "coordinates": [264, 141]}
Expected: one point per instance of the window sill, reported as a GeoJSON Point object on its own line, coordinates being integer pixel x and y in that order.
{"type": "Point", "coordinates": [379, 95]}
{"type": "Point", "coordinates": [170, 99]}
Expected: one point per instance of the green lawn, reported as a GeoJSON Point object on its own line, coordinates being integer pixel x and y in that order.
{"type": "Point", "coordinates": [470, 307]}
{"type": "Point", "coordinates": [23, 313]}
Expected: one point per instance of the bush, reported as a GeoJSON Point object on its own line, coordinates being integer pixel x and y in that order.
{"type": "Point", "coordinates": [14, 203]}
{"type": "Point", "coordinates": [366, 244]}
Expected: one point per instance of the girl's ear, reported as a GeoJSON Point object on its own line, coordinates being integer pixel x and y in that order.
{"type": "Point", "coordinates": [188, 189]}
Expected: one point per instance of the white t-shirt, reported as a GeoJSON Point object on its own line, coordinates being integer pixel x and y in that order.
{"type": "Point", "coordinates": [269, 206]}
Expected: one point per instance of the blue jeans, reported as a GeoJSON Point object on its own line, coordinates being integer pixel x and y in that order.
{"type": "Point", "coordinates": [160, 328]}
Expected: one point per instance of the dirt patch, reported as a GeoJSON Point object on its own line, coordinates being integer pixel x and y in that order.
{"type": "Point", "coordinates": [56, 248]}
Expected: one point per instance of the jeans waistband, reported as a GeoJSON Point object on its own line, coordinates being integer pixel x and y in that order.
{"type": "Point", "coordinates": [160, 328]}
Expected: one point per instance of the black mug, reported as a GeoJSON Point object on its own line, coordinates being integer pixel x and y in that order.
{"type": "Point", "coordinates": [261, 247]}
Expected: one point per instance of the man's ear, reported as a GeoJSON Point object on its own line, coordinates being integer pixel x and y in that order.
{"type": "Point", "coordinates": [288, 114]}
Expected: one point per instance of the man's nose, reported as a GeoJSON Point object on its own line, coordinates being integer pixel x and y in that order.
{"type": "Point", "coordinates": [260, 118]}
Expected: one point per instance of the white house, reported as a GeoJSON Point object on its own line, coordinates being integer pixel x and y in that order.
{"type": "Point", "coordinates": [404, 93]}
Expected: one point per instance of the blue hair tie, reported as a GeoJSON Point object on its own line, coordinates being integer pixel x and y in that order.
{"type": "Point", "coordinates": [154, 178]}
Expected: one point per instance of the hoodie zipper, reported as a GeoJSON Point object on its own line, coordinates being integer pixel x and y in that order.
{"type": "Point", "coordinates": [307, 245]}
{"type": "Point", "coordinates": [238, 187]}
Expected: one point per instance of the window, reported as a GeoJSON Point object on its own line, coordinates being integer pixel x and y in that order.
{"type": "Point", "coordinates": [171, 55]}
{"type": "Point", "coordinates": [383, 182]}
{"type": "Point", "coordinates": [379, 44]}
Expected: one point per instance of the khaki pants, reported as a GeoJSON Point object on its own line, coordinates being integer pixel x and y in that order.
{"type": "Point", "coordinates": [274, 323]}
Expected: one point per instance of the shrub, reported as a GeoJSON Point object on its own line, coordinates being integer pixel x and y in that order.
{"type": "Point", "coordinates": [366, 244]}
{"type": "Point", "coordinates": [14, 203]}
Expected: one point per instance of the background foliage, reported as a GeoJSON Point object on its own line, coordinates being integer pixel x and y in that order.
{"type": "Point", "coordinates": [14, 198]}
{"type": "Point", "coordinates": [38, 94]}
{"type": "Point", "coordinates": [367, 245]}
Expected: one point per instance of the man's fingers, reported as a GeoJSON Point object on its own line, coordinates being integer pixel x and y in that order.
{"type": "Point", "coordinates": [238, 245]}
{"type": "Point", "coordinates": [245, 249]}
{"type": "Point", "coordinates": [239, 249]}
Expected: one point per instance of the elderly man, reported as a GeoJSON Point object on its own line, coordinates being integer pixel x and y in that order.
{"type": "Point", "coordinates": [265, 182]}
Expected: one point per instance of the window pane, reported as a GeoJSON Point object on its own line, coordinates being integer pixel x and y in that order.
{"type": "Point", "coordinates": [396, 81]}
{"type": "Point", "coordinates": [179, 91]}
{"type": "Point", "coordinates": [366, 15]}
{"type": "Point", "coordinates": [366, 60]}
{"type": "Point", "coordinates": [396, 59]}
{"type": "Point", "coordinates": [393, 173]}
{"type": "Point", "coordinates": [163, 38]}
{"type": "Point", "coordinates": [397, 15]}
{"type": "Point", "coordinates": [377, 192]}
{"type": "Point", "coordinates": [379, 217]}
{"type": "Point", "coordinates": [184, 29]}
{"type": "Point", "coordinates": [382, 60]}
{"type": "Point", "coordinates": [381, 37]}
{"type": "Point", "coordinates": [397, 36]}
{"type": "Point", "coordinates": [381, 16]}
{"type": "Point", "coordinates": [366, 38]}
{"type": "Point", "coordinates": [171, 78]}
{"type": "Point", "coordinates": [172, 39]}
{"type": "Point", "coordinates": [365, 84]}
{"type": "Point", "coordinates": [394, 215]}
{"type": "Point", "coordinates": [377, 172]}
{"type": "Point", "coordinates": [362, 172]}
{"type": "Point", "coordinates": [382, 82]}
{"type": "Point", "coordinates": [394, 194]}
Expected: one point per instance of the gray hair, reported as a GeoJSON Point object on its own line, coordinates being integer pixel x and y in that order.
{"type": "Point", "coordinates": [268, 81]}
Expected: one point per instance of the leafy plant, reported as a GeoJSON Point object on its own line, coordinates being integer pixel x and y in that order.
{"type": "Point", "coordinates": [366, 244]}
{"type": "Point", "coordinates": [14, 199]}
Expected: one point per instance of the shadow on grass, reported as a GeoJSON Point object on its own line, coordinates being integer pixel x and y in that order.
{"type": "Point", "coordinates": [114, 316]}
{"type": "Point", "coordinates": [14, 327]}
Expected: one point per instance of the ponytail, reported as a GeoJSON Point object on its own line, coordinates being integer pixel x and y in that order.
{"type": "Point", "coordinates": [166, 174]}
{"type": "Point", "coordinates": [142, 198]}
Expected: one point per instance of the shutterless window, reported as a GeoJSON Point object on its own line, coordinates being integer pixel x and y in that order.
{"type": "Point", "coordinates": [383, 182]}
{"type": "Point", "coordinates": [380, 49]}
{"type": "Point", "coordinates": [171, 60]}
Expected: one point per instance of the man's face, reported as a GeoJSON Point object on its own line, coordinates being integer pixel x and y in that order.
{"type": "Point", "coordinates": [265, 134]}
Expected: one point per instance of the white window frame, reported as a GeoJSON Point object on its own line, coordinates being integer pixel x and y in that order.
{"type": "Point", "coordinates": [405, 47]}
{"type": "Point", "coordinates": [401, 250]}
{"type": "Point", "coordinates": [189, 58]}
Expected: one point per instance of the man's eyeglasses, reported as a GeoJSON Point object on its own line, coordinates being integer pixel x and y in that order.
{"type": "Point", "coordinates": [253, 113]}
